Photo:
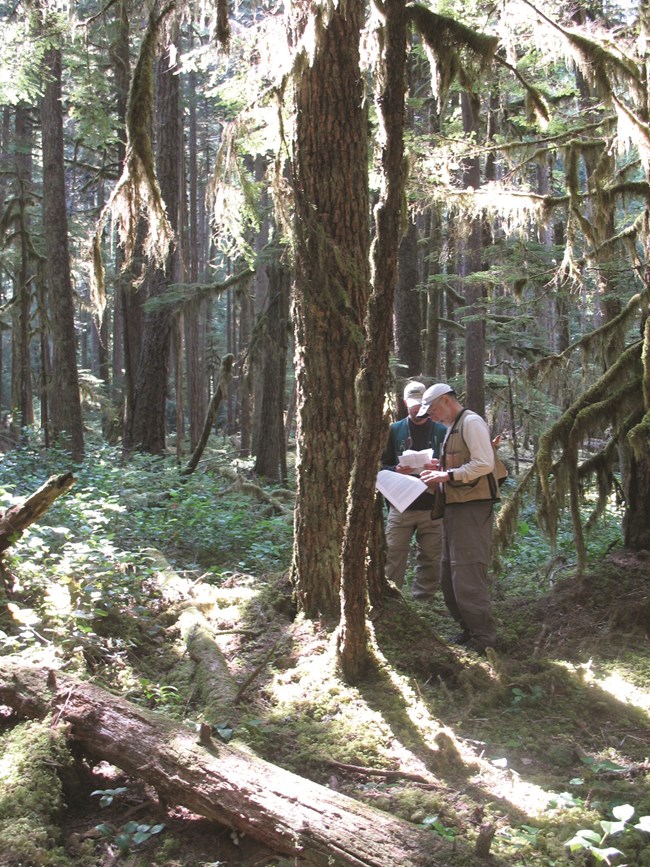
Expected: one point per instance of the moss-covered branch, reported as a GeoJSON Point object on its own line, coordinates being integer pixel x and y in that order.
{"type": "Point", "coordinates": [455, 50]}
{"type": "Point", "coordinates": [136, 202]}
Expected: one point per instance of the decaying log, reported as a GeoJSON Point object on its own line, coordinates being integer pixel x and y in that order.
{"type": "Point", "coordinates": [291, 815]}
{"type": "Point", "coordinates": [240, 484]}
{"type": "Point", "coordinates": [17, 518]}
{"type": "Point", "coordinates": [212, 678]}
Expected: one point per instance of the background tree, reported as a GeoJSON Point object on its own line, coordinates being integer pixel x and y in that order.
{"type": "Point", "coordinates": [63, 391]}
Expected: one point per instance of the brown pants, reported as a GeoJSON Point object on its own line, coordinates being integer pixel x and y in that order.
{"type": "Point", "coordinates": [466, 550]}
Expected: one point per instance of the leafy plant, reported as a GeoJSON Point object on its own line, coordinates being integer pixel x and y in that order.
{"type": "Point", "coordinates": [107, 796]}
{"type": "Point", "coordinates": [593, 841]}
{"type": "Point", "coordinates": [520, 697]}
{"type": "Point", "coordinates": [602, 765]}
{"type": "Point", "coordinates": [130, 835]}
{"type": "Point", "coordinates": [433, 823]}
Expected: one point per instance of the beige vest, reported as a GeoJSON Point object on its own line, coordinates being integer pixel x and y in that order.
{"type": "Point", "coordinates": [454, 454]}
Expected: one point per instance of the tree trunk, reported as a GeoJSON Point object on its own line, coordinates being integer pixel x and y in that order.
{"type": "Point", "coordinates": [471, 262]}
{"type": "Point", "coordinates": [290, 814]}
{"type": "Point", "coordinates": [245, 394]}
{"type": "Point", "coordinates": [151, 383]}
{"type": "Point", "coordinates": [197, 391]}
{"type": "Point", "coordinates": [408, 319]}
{"type": "Point", "coordinates": [65, 401]}
{"type": "Point", "coordinates": [636, 523]}
{"type": "Point", "coordinates": [122, 373]}
{"type": "Point", "coordinates": [217, 399]}
{"type": "Point", "coordinates": [432, 355]}
{"type": "Point", "coordinates": [271, 454]}
{"type": "Point", "coordinates": [21, 374]}
{"type": "Point", "coordinates": [330, 186]}
{"type": "Point", "coordinates": [353, 646]}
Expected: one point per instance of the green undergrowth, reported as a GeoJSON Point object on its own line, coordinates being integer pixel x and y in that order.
{"type": "Point", "coordinates": [547, 740]}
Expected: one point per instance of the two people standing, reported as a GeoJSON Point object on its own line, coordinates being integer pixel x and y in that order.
{"type": "Point", "coordinates": [416, 432]}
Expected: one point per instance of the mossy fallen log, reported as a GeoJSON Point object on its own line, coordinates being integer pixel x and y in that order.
{"type": "Point", "coordinates": [291, 815]}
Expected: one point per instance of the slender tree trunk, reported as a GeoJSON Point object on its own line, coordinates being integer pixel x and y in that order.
{"type": "Point", "coordinates": [261, 354]}
{"type": "Point", "coordinates": [270, 459]}
{"type": "Point", "coordinates": [21, 383]}
{"type": "Point", "coordinates": [353, 646]}
{"type": "Point", "coordinates": [471, 263]}
{"type": "Point", "coordinates": [65, 401]}
{"type": "Point", "coordinates": [245, 392]}
{"type": "Point", "coordinates": [120, 62]}
{"type": "Point", "coordinates": [432, 354]}
{"type": "Point", "coordinates": [196, 374]}
{"type": "Point", "coordinates": [331, 288]}
{"type": "Point", "coordinates": [408, 318]}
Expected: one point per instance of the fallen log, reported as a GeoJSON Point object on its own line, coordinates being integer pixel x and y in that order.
{"type": "Point", "coordinates": [17, 518]}
{"type": "Point", "coordinates": [291, 815]}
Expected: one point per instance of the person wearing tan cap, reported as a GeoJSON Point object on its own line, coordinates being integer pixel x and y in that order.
{"type": "Point", "coordinates": [466, 470]}
{"type": "Point", "coordinates": [417, 434]}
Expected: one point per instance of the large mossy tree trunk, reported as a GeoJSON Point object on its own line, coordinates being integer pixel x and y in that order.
{"type": "Point", "coordinates": [151, 383]}
{"type": "Point", "coordinates": [63, 393]}
{"type": "Point", "coordinates": [636, 524]}
{"type": "Point", "coordinates": [330, 183]}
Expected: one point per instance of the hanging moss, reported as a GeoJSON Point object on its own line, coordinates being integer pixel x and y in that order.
{"type": "Point", "coordinates": [610, 399]}
{"type": "Point", "coordinates": [136, 198]}
{"type": "Point", "coordinates": [601, 66]}
{"type": "Point", "coordinates": [455, 50]}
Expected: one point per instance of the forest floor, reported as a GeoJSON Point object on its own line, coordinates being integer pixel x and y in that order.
{"type": "Point", "coordinates": [542, 740]}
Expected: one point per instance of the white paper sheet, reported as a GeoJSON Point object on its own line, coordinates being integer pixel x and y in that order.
{"type": "Point", "coordinates": [398, 489]}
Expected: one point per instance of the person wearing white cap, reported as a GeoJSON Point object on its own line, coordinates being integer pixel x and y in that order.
{"type": "Point", "coordinates": [466, 470]}
{"type": "Point", "coordinates": [417, 434]}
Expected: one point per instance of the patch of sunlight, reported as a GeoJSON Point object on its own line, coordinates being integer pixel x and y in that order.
{"type": "Point", "coordinates": [507, 784]}
{"type": "Point", "coordinates": [614, 683]}
{"type": "Point", "coordinates": [58, 597]}
{"type": "Point", "coordinates": [496, 775]}
{"type": "Point", "coordinates": [315, 682]}
{"type": "Point", "coordinates": [7, 767]}
{"type": "Point", "coordinates": [620, 688]}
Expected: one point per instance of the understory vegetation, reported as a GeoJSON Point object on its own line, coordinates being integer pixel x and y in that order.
{"type": "Point", "coordinates": [546, 741]}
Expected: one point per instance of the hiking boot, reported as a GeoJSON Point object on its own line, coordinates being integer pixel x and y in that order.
{"type": "Point", "coordinates": [461, 637]}
{"type": "Point", "coordinates": [475, 647]}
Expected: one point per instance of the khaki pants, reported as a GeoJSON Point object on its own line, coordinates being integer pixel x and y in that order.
{"type": "Point", "coordinates": [400, 529]}
{"type": "Point", "coordinates": [466, 550]}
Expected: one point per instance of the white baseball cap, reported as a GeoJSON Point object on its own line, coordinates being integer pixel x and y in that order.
{"type": "Point", "coordinates": [431, 395]}
{"type": "Point", "coordinates": [413, 393]}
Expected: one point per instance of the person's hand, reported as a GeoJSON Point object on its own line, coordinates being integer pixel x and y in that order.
{"type": "Point", "coordinates": [433, 477]}
{"type": "Point", "coordinates": [433, 464]}
{"type": "Point", "coordinates": [403, 470]}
